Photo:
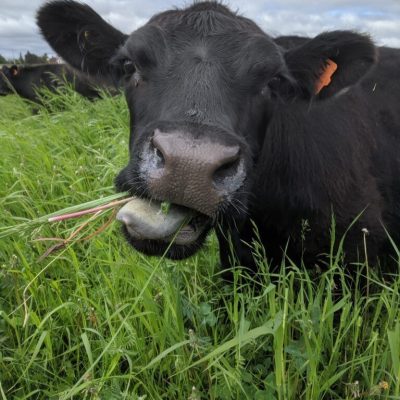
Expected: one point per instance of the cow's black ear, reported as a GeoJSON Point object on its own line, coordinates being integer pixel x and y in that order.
{"type": "Point", "coordinates": [331, 62]}
{"type": "Point", "coordinates": [79, 35]}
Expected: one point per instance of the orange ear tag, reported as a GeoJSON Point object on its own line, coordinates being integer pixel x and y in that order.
{"type": "Point", "coordinates": [326, 75]}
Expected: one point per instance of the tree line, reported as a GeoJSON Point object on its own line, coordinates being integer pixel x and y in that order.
{"type": "Point", "coordinates": [29, 58]}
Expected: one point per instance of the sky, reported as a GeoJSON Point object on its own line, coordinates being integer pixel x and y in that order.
{"type": "Point", "coordinates": [379, 18]}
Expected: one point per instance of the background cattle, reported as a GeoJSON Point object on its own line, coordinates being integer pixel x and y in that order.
{"type": "Point", "coordinates": [25, 80]}
{"type": "Point", "coordinates": [237, 129]}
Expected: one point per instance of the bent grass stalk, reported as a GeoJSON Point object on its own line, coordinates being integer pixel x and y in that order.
{"type": "Point", "coordinates": [73, 236]}
{"type": "Point", "coordinates": [90, 207]}
{"type": "Point", "coordinates": [94, 210]}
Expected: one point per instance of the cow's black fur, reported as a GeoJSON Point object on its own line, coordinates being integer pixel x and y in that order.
{"type": "Point", "coordinates": [308, 155]}
{"type": "Point", "coordinates": [290, 41]}
{"type": "Point", "coordinates": [25, 80]}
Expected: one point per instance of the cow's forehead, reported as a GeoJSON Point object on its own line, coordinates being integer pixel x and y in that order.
{"type": "Point", "coordinates": [221, 40]}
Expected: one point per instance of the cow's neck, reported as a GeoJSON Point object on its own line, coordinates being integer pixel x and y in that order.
{"type": "Point", "coordinates": [313, 155]}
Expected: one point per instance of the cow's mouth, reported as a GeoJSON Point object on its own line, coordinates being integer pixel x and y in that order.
{"type": "Point", "coordinates": [145, 220]}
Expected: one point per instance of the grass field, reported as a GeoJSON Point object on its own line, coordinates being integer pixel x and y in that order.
{"type": "Point", "coordinates": [97, 320]}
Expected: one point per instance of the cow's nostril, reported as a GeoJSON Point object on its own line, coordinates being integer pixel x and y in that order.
{"type": "Point", "coordinates": [158, 153]}
{"type": "Point", "coordinates": [228, 169]}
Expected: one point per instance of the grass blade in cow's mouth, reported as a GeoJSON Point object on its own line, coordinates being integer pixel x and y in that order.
{"type": "Point", "coordinates": [146, 220]}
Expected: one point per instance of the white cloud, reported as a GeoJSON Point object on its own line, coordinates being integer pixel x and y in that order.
{"type": "Point", "coordinates": [11, 27]}
{"type": "Point", "coordinates": [383, 31]}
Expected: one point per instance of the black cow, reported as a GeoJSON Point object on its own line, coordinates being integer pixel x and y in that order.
{"type": "Point", "coordinates": [235, 128]}
{"type": "Point", "coordinates": [26, 79]}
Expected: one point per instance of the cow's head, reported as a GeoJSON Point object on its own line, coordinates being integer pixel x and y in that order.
{"type": "Point", "coordinates": [7, 77]}
{"type": "Point", "coordinates": [201, 85]}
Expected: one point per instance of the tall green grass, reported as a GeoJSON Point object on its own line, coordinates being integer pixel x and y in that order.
{"type": "Point", "coordinates": [98, 320]}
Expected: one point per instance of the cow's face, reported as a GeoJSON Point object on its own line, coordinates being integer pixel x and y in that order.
{"type": "Point", "coordinates": [201, 85]}
{"type": "Point", "coordinates": [7, 76]}
{"type": "Point", "coordinates": [196, 97]}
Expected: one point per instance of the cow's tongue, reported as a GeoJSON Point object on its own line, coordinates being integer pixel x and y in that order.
{"type": "Point", "coordinates": [145, 220]}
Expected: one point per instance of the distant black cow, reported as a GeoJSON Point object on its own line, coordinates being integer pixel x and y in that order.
{"type": "Point", "coordinates": [236, 128]}
{"type": "Point", "coordinates": [26, 79]}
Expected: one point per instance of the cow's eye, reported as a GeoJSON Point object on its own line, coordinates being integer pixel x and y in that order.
{"type": "Point", "coordinates": [272, 87]}
{"type": "Point", "coordinates": [275, 83]}
{"type": "Point", "coordinates": [128, 67]}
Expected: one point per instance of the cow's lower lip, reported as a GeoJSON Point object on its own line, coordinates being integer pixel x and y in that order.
{"type": "Point", "coordinates": [144, 220]}
{"type": "Point", "coordinates": [189, 232]}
